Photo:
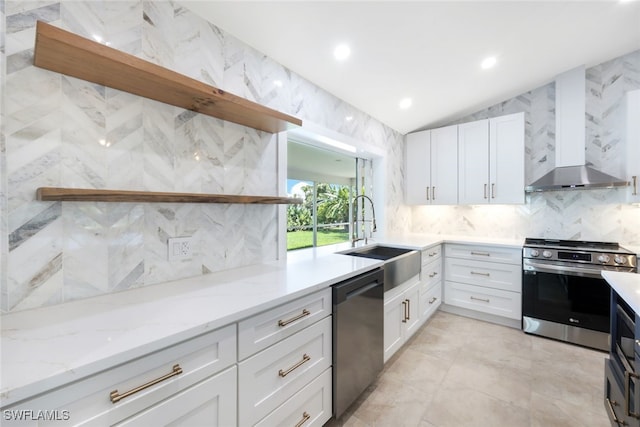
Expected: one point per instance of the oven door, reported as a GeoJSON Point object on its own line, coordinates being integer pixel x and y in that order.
{"type": "Point", "coordinates": [566, 294]}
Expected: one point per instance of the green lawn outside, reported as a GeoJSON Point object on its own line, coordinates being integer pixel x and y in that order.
{"type": "Point", "coordinates": [304, 238]}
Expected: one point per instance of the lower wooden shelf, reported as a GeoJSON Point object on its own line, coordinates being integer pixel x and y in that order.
{"type": "Point", "coordinates": [124, 196]}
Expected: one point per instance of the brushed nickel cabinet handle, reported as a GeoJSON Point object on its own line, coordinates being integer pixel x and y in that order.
{"type": "Point", "coordinates": [304, 313]}
{"type": "Point", "coordinates": [305, 359]}
{"type": "Point", "coordinates": [427, 193]}
{"type": "Point", "coordinates": [610, 405]}
{"type": "Point", "coordinates": [481, 253]}
{"type": "Point", "coordinates": [493, 190]}
{"type": "Point", "coordinates": [305, 418]}
{"type": "Point", "coordinates": [433, 254]}
{"type": "Point", "coordinates": [635, 185]}
{"type": "Point", "coordinates": [485, 191]}
{"type": "Point", "coordinates": [408, 309]}
{"type": "Point", "coordinates": [404, 311]}
{"type": "Point", "coordinates": [434, 274]}
{"type": "Point", "coordinates": [116, 397]}
{"type": "Point", "coordinates": [477, 273]}
{"type": "Point", "coordinates": [432, 300]}
{"type": "Point", "coordinates": [433, 193]}
{"type": "Point", "coordinates": [480, 299]}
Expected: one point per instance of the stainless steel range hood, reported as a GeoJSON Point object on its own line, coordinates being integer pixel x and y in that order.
{"type": "Point", "coordinates": [570, 172]}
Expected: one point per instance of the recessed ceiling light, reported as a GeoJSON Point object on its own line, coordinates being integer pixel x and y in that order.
{"type": "Point", "coordinates": [341, 52]}
{"type": "Point", "coordinates": [405, 103]}
{"type": "Point", "coordinates": [348, 118]}
{"type": "Point", "coordinates": [488, 62]}
{"type": "Point", "coordinates": [277, 83]}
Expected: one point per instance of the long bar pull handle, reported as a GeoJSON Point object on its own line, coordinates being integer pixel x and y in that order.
{"type": "Point", "coordinates": [481, 253]}
{"type": "Point", "coordinates": [408, 309]}
{"type": "Point", "coordinates": [610, 405]}
{"type": "Point", "coordinates": [477, 273]}
{"type": "Point", "coordinates": [305, 418]}
{"type": "Point", "coordinates": [434, 274]}
{"type": "Point", "coordinates": [304, 313]}
{"type": "Point", "coordinates": [480, 299]}
{"type": "Point", "coordinates": [485, 191]}
{"type": "Point", "coordinates": [427, 193]}
{"type": "Point", "coordinates": [433, 193]}
{"type": "Point", "coordinates": [627, 378]}
{"type": "Point", "coordinates": [432, 300]}
{"type": "Point", "coordinates": [635, 185]}
{"type": "Point", "coordinates": [116, 397]}
{"type": "Point", "coordinates": [404, 311]}
{"type": "Point", "coordinates": [493, 190]}
{"type": "Point", "coordinates": [305, 359]}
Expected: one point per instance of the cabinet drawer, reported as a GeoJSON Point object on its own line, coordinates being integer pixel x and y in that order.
{"type": "Point", "coordinates": [211, 402]}
{"type": "Point", "coordinates": [487, 300]}
{"type": "Point", "coordinates": [310, 407]}
{"type": "Point", "coordinates": [269, 378]}
{"type": "Point", "coordinates": [614, 402]}
{"type": "Point", "coordinates": [491, 274]}
{"type": "Point", "coordinates": [430, 300]}
{"type": "Point", "coordinates": [431, 273]}
{"type": "Point", "coordinates": [88, 400]}
{"type": "Point", "coordinates": [431, 254]}
{"type": "Point", "coordinates": [485, 253]}
{"type": "Point", "coordinates": [265, 329]}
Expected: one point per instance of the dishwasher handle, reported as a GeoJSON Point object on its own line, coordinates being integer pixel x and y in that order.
{"type": "Point", "coordinates": [358, 285]}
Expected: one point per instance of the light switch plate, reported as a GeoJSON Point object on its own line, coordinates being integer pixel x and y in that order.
{"type": "Point", "coordinates": [179, 248]}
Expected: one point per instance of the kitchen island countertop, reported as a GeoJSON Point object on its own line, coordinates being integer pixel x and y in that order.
{"type": "Point", "coordinates": [627, 285]}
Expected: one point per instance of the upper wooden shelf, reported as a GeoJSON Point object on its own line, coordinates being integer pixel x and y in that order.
{"type": "Point", "coordinates": [91, 195]}
{"type": "Point", "coordinates": [67, 53]}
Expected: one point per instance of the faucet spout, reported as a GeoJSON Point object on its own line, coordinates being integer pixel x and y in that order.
{"type": "Point", "coordinates": [354, 234]}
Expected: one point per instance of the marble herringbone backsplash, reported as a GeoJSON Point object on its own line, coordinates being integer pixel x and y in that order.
{"type": "Point", "coordinates": [62, 131]}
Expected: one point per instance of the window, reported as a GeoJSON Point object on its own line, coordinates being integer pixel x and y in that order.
{"type": "Point", "coordinates": [326, 181]}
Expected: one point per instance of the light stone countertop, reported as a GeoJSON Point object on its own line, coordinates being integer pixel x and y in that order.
{"type": "Point", "coordinates": [627, 285]}
{"type": "Point", "coordinates": [47, 347]}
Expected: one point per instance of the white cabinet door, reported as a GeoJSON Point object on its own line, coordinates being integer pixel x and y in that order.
{"type": "Point", "coordinates": [412, 319]}
{"type": "Point", "coordinates": [211, 402]}
{"type": "Point", "coordinates": [418, 174]}
{"type": "Point", "coordinates": [632, 140]}
{"type": "Point", "coordinates": [473, 163]}
{"type": "Point", "coordinates": [444, 166]}
{"type": "Point", "coordinates": [393, 326]}
{"type": "Point", "coordinates": [506, 163]}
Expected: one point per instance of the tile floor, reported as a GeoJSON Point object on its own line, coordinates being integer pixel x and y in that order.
{"type": "Point", "coordinates": [459, 372]}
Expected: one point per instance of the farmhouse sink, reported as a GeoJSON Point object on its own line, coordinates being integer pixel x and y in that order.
{"type": "Point", "coordinates": [400, 264]}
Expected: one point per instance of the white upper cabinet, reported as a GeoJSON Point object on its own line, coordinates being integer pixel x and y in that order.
{"type": "Point", "coordinates": [506, 162]}
{"type": "Point", "coordinates": [491, 161]}
{"type": "Point", "coordinates": [432, 162]}
{"type": "Point", "coordinates": [632, 129]}
{"type": "Point", "coordinates": [473, 163]}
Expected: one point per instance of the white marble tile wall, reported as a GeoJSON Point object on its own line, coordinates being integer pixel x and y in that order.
{"type": "Point", "coordinates": [582, 214]}
{"type": "Point", "coordinates": [61, 131]}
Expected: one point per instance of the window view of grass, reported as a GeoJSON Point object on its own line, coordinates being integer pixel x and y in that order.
{"type": "Point", "coordinates": [332, 216]}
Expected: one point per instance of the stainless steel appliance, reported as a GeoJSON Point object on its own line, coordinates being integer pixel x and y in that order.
{"type": "Point", "coordinates": [563, 294]}
{"type": "Point", "coordinates": [622, 384]}
{"type": "Point", "coordinates": [358, 336]}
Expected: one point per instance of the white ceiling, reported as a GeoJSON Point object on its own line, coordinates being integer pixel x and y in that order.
{"type": "Point", "coordinates": [430, 50]}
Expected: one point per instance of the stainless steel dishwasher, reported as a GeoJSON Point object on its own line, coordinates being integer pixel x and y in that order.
{"type": "Point", "coordinates": [358, 336]}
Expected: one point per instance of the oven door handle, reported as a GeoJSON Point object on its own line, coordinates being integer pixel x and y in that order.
{"type": "Point", "coordinates": [571, 271]}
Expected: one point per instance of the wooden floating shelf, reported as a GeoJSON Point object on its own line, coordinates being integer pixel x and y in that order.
{"type": "Point", "coordinates": [48, 194]}
{"type": "Point", "coordinates": [67, 53]}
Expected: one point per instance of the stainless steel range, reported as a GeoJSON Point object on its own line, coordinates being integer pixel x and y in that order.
{"type": "Point", "coordinates": [563, 294]}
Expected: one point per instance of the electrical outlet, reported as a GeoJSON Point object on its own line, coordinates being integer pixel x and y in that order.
{"type": "Point", "coordinates": [179, 248]}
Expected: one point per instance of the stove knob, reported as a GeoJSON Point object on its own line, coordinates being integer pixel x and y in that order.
{"type": "Point", "coordinates": [620, 259]}
{"type": "Point", "coordinates": [603, 258]}
{"type": "Point", "coordinates": [535, 252]}
{"type": "Point", "coordinates": [546, 254]}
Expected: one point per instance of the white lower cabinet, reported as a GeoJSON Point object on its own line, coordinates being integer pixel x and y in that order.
{"type": "Point", "coordinates": [311, 406]}
{"type": "Point", "coordinates": [210, 403]}
{"type": "Point", "coordinates": [267, 379]}
{"type": "Point", "coordinates": [150, 385]}
{"type": "Point", "coordinates": [484, 279]}
{"type": "Point", "coordinates": [401, 315]}
{"type": "Point", "coordinates": [430, 282]}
